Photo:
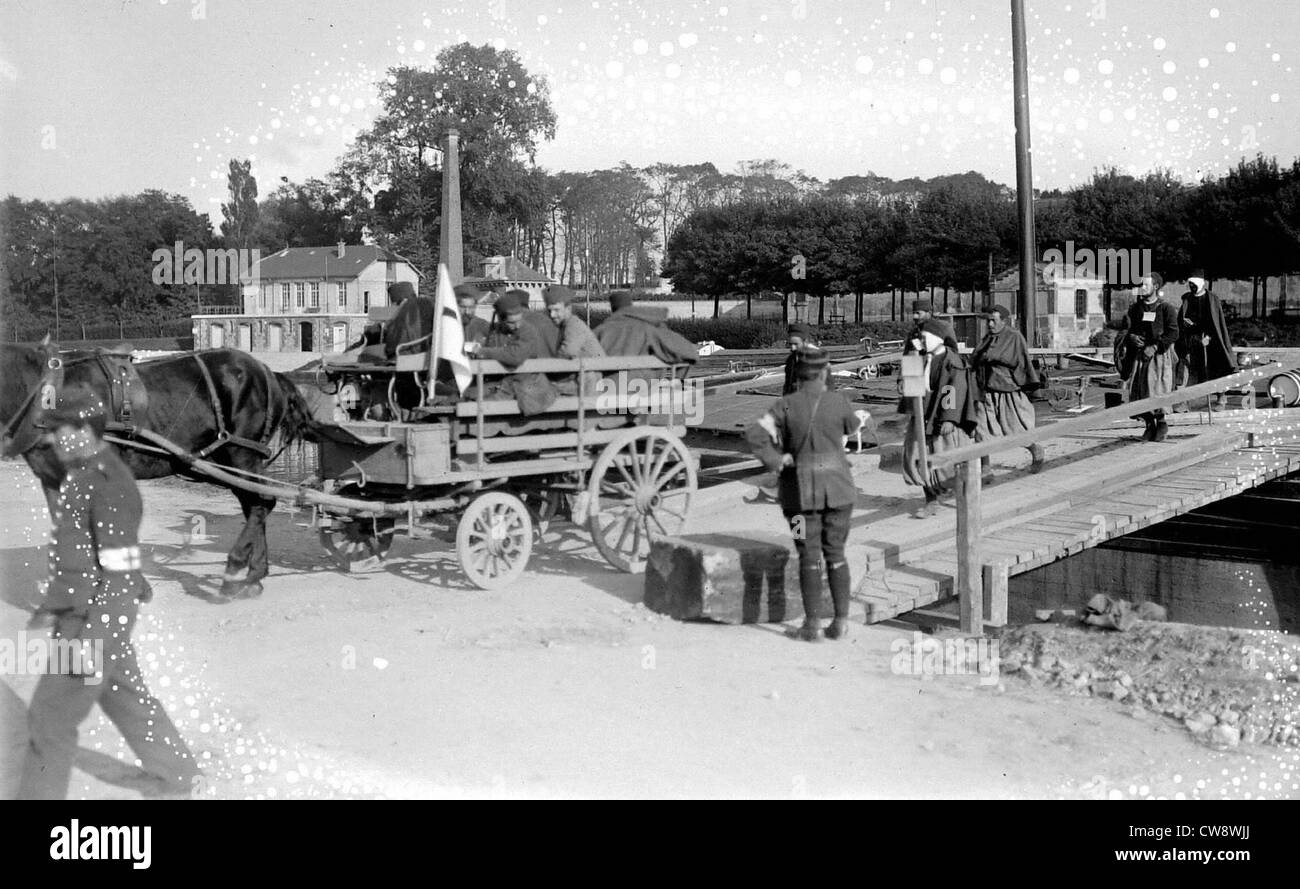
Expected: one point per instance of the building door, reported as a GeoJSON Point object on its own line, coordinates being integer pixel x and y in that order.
{"type": "Point", "coordinates": [274, 338]}
{"type": "Point", "coordinates": [216, 336]}
{"type": "Point", "coordinates": [246, 337]}
{"type": "Point", "coordinates": [340, 337]}
{"type": "Point", "coordinates": [306, 342]}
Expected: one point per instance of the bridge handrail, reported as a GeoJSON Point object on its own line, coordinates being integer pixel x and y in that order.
{"type": "Point", "coordinates": [971, 569]}
{"type": "Point", "coordinates": [1101, 418]}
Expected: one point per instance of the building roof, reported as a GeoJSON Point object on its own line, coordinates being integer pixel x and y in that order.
{"type": "Point", "coordinates": [510, 268]}
{"type": "Point", "coordinates": [322, 262]}
{"type": "Point", "coordinates": [1010, 278]}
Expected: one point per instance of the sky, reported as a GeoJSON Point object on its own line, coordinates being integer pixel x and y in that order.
{"type": "Point", "coordinates": [106, 97]}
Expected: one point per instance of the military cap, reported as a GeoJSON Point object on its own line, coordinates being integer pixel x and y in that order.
{"type": "Point", "coordinates": [1002, 311]}
{"type": "Point", "coordinates": [510, 302]}
{"type": "Point", "coordinates": [558, 293]}
{"type": "Point", "coordinates": [402, 290]}
{"type": "Point", "coordinates": [811, 356]}
{"type": "Point", "coordinates": [467, 291]}
{"type": "Point", "coordinates": [922, 305]}
{"type": "Point", "coordinates": [620, 299]}
{"type": "Point", "coordinates": [798, 328]}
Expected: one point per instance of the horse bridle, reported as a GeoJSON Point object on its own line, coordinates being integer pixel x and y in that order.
{"type": "Point", "coordinates": [46, 390]}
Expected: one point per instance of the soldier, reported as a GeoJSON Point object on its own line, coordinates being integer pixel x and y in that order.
{"type": "Point", "coordinates": [797, 336]}
{"type": "Point", "coordinates": [467, 299]}
{"type": "Point", "coordinates": [802, 437]}
{"type": "Point", "coordinates": [576, 338]}
{"type": "Point", "coordinates": [94, 591]}
{"type": "Point", "coordinates": [643, 330]}
{"type": "Point", "coordinates": [515, 337]}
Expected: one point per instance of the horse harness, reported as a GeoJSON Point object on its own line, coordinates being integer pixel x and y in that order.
{"type": "Point", "coordinates": [15, 440]}
{"type": "Point", "coordinates": [128, 403]}
{"type": "Point", "coordinates": [224, 437]}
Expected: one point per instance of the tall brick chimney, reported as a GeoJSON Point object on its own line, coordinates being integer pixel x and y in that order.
{"type": "Point", "coordinates": [451, 248]}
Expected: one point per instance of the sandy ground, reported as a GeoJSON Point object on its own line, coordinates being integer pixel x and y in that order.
{"type": "Point", "coordinates": [405, 682]}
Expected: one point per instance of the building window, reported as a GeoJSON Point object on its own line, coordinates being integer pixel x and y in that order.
{"type": "Point", "coordinates": [365, 303]}
{"type": "Point", "coordinates": [314, 295]}
{"type": "Point", "coordinates": [343, 294]}
{"type": "Point", "coordinates": [284, 297]}
{"type": "Point", "coordinates": [299, 294]}
{"type": "Point", "coordinates": [1081, 303]}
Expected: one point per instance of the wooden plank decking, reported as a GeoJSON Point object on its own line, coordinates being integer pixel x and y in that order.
{"type": "Point", "coordinates": [1051, 516]}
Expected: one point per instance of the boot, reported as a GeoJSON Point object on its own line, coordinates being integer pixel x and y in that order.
{"type": "Point", "coordinates": [839, 582]}
{"type": "Point", "coordinates": [1161, 430]}
{"type": "Point", "coordinates": [1150, 434]}
{"type": "Point", "coordinates": [810, 590]}
{"type": "Point", "coordinates": [1216, 402]}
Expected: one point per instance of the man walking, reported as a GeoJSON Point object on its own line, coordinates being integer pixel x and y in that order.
{"type": "Point", "coordinates": [949, 415]}
{"type": "Point", "coordinates": [1204, 348]}
{"type": "Point", "coordinates": [802, 438]}
{"type": "Point", "coordinates": [1145, 354]}
{"type": "Point", "coordinates": [93, 600]}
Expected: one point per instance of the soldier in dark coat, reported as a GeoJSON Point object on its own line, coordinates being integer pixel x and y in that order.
{"type": "Point", "coordinates": [92, 602]}
{"type": "Point", "coordinates": [515, 338]}
{"type": "Point", "coordinates": [799, 335]}
{"type": "Point", "coordinates": [642, 330]}
{"type": "Point", "coordinates": [467, 300]}
{"type": "Point", "coordinates": [950, 413]}
{"type": "Point", "coordinates": [802, 438]}
{"type": "Point", "coordinates": [1204, 347]}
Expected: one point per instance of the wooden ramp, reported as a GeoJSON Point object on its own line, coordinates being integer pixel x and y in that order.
{"type": "Point", "coordinates": [1038, 519]}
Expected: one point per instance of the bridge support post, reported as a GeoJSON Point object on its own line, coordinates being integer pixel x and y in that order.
{"type": "Point", "coordinates": [996, 581]}
{"type": "Point", "coordinates": [970, 570]}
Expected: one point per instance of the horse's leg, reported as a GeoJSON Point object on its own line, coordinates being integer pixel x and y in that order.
{"type": "Point", "coordinates": [258, 566]}
{"type": "Point", "coordinates": [232, 582]}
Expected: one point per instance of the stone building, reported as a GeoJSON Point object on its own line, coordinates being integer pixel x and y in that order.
{"type": "Point", "coordinates": [1070, 304]}
{"type": "Point", "coordinates": [306, 299]}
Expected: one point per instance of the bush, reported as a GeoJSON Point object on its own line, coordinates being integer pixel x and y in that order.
{"type": "Point", "coordinates": [1264, 333]}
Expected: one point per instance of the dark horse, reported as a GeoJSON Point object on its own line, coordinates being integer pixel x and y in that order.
{"type": "Point", "coordinates": [222, 405]}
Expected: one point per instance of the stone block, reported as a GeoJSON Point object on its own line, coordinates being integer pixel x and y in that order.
{"type": "Point", "coordinates": [726, 578]}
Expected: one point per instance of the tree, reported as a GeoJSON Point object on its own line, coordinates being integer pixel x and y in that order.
{"type": "Point", "coordinates": [240, 213]}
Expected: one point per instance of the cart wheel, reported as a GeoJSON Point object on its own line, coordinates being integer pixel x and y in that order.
{"type": "Point", "coordinates": [358, 543]}
{"type": "Point", "coordinates": [494, 539]}
{"type": "Point", "coordinates": [640, 488]}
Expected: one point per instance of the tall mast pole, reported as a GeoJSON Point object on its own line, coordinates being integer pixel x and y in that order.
{"type": "Point", "coordinates": [1026, 307]}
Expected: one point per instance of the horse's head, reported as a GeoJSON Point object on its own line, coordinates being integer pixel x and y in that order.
{"type": "Point", "coordinates": [29, 380]}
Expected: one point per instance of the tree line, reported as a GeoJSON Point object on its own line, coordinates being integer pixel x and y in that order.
{"type": "Point", "coordinates": [764, 227]}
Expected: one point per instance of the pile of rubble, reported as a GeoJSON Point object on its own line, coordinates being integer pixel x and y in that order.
{"type": "Point", "coordinates": [1225, 686]}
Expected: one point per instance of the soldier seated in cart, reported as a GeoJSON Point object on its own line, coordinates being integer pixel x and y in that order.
{"type": "Point", "coordinates": [576, 338]}
{"type": "Point", "coordinates": [643, 330]}
{"type": "Point", "coordinates": [514, 338]}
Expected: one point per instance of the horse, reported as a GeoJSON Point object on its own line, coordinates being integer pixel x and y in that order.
{"type": "Point", "coordinates": [221, 405]}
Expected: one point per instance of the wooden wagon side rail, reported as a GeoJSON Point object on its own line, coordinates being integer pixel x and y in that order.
{"type": "Point", "coordinates": [970, 568]}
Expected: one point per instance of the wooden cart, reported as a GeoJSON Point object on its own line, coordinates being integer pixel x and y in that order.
{"type": "Point", "coordinates": [609, 456]}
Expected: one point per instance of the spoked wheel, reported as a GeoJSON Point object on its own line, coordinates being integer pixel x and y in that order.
{"type": "Point", "coordinates": [640, 488]}
{"type": "Point", "coordinates": [494, 540]}
{"type": "Point", "coordinates": [358, 543]}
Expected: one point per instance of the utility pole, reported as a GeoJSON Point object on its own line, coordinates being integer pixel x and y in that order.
{"type": "Point", "coordinates": [1026, 307]}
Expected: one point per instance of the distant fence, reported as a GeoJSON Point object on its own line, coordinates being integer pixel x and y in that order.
{"type": "Point", "coordinates": [68, 331]}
